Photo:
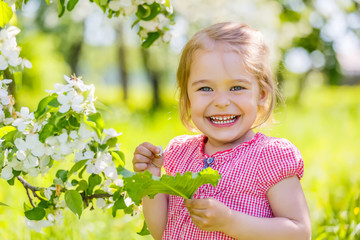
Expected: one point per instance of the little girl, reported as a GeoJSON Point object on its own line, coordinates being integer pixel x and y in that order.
{"type": "Point", "coordinates": [226, 91]}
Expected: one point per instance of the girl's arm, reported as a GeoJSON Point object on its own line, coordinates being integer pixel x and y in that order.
{"type": "Point", "coordinates": [148, 157]}
{"type": "Point", "coordinates": [155, 213]}
{"type": "Point", "coordinates": [291, 215]}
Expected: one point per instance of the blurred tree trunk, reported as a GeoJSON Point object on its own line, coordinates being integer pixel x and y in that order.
{"type": "Point", "coordinates": [74, 55]}
{"type": "Point", "coordinates": [153, 76]}
{"type": "Point", "coordinates": [124, 76]}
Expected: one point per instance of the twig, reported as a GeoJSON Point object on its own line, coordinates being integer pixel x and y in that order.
{"type": "Point", "coordinates": [28, 194]}
{"type": "Point", "coordinates": [104, 195]}
{"type": "Point", "coordinates": [33, 189]}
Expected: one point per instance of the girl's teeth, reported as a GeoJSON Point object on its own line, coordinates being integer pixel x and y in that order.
{"type": "Point", "coordinates": [223, 120]}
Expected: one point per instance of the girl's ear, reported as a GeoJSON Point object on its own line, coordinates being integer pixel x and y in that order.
{"type": "Point", "coordinates": [263, 96]}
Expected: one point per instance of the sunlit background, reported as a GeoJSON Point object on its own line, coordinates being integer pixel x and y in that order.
{"type": "Point", "coordinates": [315, 54]}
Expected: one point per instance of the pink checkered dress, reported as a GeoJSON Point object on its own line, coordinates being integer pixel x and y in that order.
{"type": "Point", "coordinates": [248, 171]}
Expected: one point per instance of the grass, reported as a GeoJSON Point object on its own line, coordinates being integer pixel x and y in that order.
{"type": "Point", "coordinates": [324, 126]}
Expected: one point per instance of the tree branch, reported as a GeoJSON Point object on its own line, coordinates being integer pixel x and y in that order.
{"type": "Point", "coordinates": [33, 189]}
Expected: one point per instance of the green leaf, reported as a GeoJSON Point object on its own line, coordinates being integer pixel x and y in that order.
{"type": "Point", "coordinates": [62, 174]}
{"type": "Point", "coordinates": [74, 122]}
{"type": "Point", "coordinates": [61, 7]}
{"type": "Point", "coordinates": [37, 214]}
{"type": "Point", "coordinates": [144, 184]}
{"type": "Point", "coordinates": [144, 231]}
{"type": "Point", "coordinates": [119, 204]}
{"type": "Point", "coordinates": [5, 130]}
{"type": "Point", "coordinates": [148, 12]}
{"type": "Point", "coordinates": [71, 4]}
{"type": "Point", "coordinates": [62, 123]}
{"type": "Point", "coordinates": [27, 207]}
{"type": "Point", "coordinates": [6, 13]}
{"type": "Point", "coordinates": [76, 167]}
{"type": "Point", "coordinates": [111, 142]}
{"type": "Point", "coordinates": [9, 134]}
{"type": "Point", "coordinates": [97, 119]}
{"type": "Point", "coordinates": [43, 104]}
{"type": "Point", "coordinates": [117, 194]}
{"type": "Point", "coordinates": [94, 180]}
{"type": "Point", "coordinates": [152, 36]}
{"type": "Point", "coordinates": [74, 182]}
{"type": "Point", "coordinates": [43, 204]}
{"type": "Point", "coordinates": [83, 185]}
{"type": "Point", "coordinates": [74, 201]}
{"type": "Point", "coordinates": [119, 157]}
{"type": "Point", "coordinates": [46, 132]}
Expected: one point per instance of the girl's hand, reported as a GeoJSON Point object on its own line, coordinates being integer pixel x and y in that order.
{"type": "Point", "coordinates": [148, 157]}
{"type": "Point", "coordinates": [208, 214]}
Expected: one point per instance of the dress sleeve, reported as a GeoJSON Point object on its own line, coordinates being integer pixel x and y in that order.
{"type": "Point", "coordinates": [280, 159]}
{"type": "Point", "coordinates": [171, 154]}
{"type": "Point", "coordinates": [168, 159]}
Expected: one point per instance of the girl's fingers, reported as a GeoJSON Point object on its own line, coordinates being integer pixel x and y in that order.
{"type": "Point", "coordinates": [196, 203]}
{"type": "Point", "coordinates": [148, 150]}
{"type": "Point", "coordinates": [141, 158]}
{"type": "Point", "coordinates": [198, 212]}
{"type": "Point", "coordinates": [139, 167]}
{"type": "Point", "coordinates": [143, 150]}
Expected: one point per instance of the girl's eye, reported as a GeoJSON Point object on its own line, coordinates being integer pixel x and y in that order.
{"type": "Point", "coordinates": [236, 88]}
{"type": "Point", "coordinates": [205, 89]}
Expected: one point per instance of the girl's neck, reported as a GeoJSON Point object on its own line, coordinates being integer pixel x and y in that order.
{"type": "Point", "coordinates": [211, 148]}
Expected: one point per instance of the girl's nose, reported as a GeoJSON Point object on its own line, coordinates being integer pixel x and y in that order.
{"type": "Point", "coordinates": [221, 100]}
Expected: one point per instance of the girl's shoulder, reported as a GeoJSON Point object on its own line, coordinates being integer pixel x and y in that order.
{"type": "Point", "coordinates": [278, 146]}
{"type": "Point", "coordinates": [279, 159]}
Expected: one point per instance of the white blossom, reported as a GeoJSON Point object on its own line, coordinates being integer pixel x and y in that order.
{"type": "Point", "coordinates": [48, 192]}
{"type": "Point", "coordinates": [30, 145]}
{"type": "Point", "coordinates": [37, 225]}
{"type": "Point", "coordinates": [70, 100]}
{"type": "Point", "coordinates": [110, 133]}
{"type": "Point", "coordinates": [128, 201]}
{"type": "Point", "coordinates": [9, 51]}
{"type": "Point", "coordinates": [4, 97]}
{"type": "Point", "coordinates": [65, 146]}
{"type": "Point", "coordinates": [60, 88]}
{"type": "Point", "coordinates": [24, 118]}
{"type": "Point", "coordinates": [6, 173]}
{"type": "Point", "coordinates": [11, 57]}
{"type": "Point", "coordinates": [103, 163]}
{"type": "Point", "coordinates": [84, 133]}
{"type": "Point", "coordinates": [100, 203]}
{"type": "Point", "coordinates": [74, 135]}
{"type": "Point", "coordinates": [51, 217]}
{"type": "Point", "coordinates": [5, 81]}
{"type": "Point", "coordinates": [110, 171]}
{"type": "Point", "coordinates": [119, 182]}
{"type": "Point", "coordinates": [82, 156]}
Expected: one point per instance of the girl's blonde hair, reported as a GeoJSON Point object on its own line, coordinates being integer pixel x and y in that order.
{"type": "Point", "coordinates": [244, 40]}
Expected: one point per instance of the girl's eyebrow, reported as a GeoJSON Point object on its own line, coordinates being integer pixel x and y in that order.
{"type": "Point", "coordinates": [199, 82]}
{"type": "Point", "coordinates": [242, 80]}
{"type": "Point", "coordinates": [238, 80]}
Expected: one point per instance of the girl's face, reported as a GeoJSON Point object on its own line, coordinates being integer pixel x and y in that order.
{"type": "Point", "coordinates": [224, 98]}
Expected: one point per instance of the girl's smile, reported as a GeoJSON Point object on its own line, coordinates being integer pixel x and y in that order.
{"type": "Point", "coordinates": [224, 97]}
{"type": "Point", "coordinates": [223, 121]}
